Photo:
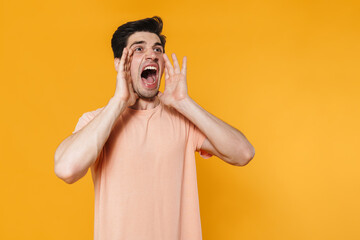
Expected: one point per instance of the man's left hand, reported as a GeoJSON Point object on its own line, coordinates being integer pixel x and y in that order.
{"type": "Point", "coordinates": [175, 82]}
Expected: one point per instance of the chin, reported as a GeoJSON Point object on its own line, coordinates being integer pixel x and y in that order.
{"type": "Point", "coordinates": [148, 94]}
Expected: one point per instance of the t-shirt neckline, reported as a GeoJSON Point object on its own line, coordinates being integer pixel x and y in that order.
{"type": "Point", "coordinates": [144, 111]}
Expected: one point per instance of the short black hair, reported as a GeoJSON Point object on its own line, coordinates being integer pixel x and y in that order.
{"type": "Point", "coordinates": [121, 35]}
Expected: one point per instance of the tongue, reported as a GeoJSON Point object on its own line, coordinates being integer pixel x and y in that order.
{"type": "Point", "coordinates": [150, 78]}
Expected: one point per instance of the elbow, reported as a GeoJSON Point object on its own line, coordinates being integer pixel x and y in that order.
{"type": "Point", "coordinates": [244, 157]}
{"type": "Point", "coordinates": [65, 175]}
{"type": "Point", "coordinates": [65, 172]}
{"type": "Point", "coordinates": [67, 179]}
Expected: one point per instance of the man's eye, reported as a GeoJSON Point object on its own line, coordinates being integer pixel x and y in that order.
{"type": "Point", "coordinates": [158, 50]}
{"type": "Point", "coordinates": [138, 49]}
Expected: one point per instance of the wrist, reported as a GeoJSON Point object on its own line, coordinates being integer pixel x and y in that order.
{"type": "Point", "coordinates": [183, 104]}
{"type": "Point", "coordinates": [117, 105]}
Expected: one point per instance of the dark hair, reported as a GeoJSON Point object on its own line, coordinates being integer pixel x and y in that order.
{"type": "Point", "coordinates": [121, 35]}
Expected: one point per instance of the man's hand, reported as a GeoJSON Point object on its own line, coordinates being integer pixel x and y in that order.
{"type": "Point", "coordinates": [124, 90]}
{"type": "Point", "coordinates": [175, 82]}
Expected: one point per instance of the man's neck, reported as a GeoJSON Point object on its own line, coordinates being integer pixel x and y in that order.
{"type": "Point", "coordinates": [145, 104]}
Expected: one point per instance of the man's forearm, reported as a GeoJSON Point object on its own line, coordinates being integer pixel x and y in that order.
{"type": "Point", "coordinates": [79, 151]}
{"type": "Point", "coordinates": [229, 143]}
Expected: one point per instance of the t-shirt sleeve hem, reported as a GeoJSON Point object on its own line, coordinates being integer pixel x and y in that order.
{"type": "Point", "coordinates": [202, 153]}
{"type": "Point", "coordinates": [85, 119]}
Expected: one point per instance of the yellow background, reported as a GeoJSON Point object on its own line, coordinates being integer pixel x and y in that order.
{"type": "Point", "coordinates": [285, 73]}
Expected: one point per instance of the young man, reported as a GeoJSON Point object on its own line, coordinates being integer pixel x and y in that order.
{"type": "Point", "coordinates": [140, 146]}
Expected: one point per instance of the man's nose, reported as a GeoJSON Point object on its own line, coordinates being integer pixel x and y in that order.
{"type": "Point", "coordinates": [150, 54]}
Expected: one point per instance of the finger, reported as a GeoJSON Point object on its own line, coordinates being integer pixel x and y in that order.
{"type": "Point", "coordinates": [183, 69]}
{"type": "Point", "coordinates": [128, 60]}
{"type": "Point", "coordinates": [128, 64]}
{"type": "Point", "coordinates": [166, 74]}
{"type": "Point", "coordinates": [131, 51]}
{"type": "Point", "coordinates": [168, 65]}
{"type": "Point", "coordinates": [122, 60]}
{"type": "Point", "coordinates": [176, 63]}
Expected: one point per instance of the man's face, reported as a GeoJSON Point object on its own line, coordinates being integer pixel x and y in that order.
{"type": "Point", "coordinates": [147, 63]}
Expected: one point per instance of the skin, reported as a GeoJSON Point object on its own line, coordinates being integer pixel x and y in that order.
{"type": "Point", "coordinates": [81, 150]}
{"type": "Point", "coordinates": [135, 57]}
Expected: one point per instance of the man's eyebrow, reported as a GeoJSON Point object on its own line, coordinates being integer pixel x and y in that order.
{"type": "Point", "coordinates": [158, 44]}
{"type": "Point", "coordinates": [138, 42]}
{"type": "Point", "coordinates": [141, 42]}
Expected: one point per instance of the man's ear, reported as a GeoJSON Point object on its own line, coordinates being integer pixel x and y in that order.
{"type": "Point", "coordinates": [116, 63]}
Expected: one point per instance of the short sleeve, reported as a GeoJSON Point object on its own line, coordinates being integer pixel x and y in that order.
{"type": "Point", "coordinates": [199, 139]}
{"type": "Point", "coordinates": [82, 122]}
{"type": "Point", "coordinates": [85, 119]}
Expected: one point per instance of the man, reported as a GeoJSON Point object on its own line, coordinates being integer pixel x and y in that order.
{"type": "Point", "coordinates": [140, 146]}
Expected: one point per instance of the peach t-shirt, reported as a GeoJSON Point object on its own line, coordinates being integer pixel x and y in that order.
{"type": "Point", "coordinates": [145, 177]}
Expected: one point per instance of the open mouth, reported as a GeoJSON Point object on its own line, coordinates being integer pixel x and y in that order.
{"type": "Point", "coordinates": [149, 76]}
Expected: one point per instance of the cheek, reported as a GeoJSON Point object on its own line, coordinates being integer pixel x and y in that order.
{"type": "Point", "coordinates": [134, 69]}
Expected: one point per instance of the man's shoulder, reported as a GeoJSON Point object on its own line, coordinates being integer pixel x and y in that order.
{"type": "Point", "coordinates": [86, 118]}
{"type": "Point", "coordinates": [176, 116]}
{"type": "Point", "coordinates": [93, 113]}
{"type": "Point", "coordinates": [171, 112]}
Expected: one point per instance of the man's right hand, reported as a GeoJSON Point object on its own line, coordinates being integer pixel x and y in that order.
{"type": "Point", "coordinates": [124, 89]}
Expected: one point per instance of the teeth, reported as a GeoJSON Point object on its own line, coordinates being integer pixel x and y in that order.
{"type": "Point", "coordinates": [147, 84]}
{"type": "Point", "coordinates": [150, 68]}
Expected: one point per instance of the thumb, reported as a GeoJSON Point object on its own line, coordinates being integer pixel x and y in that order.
{"type": "Point", "coordinates": [160, 96]}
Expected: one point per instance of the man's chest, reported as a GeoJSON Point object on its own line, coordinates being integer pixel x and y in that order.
{"type": "Point", "coordinates": [147, 140]}
{"type": "Point", "coordinates": [146, 150]}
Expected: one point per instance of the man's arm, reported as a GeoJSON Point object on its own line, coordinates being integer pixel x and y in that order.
{"type": "Point", "coordinates": [79, 151]}
{"type": "Point", "coordinates": [222, 140]}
